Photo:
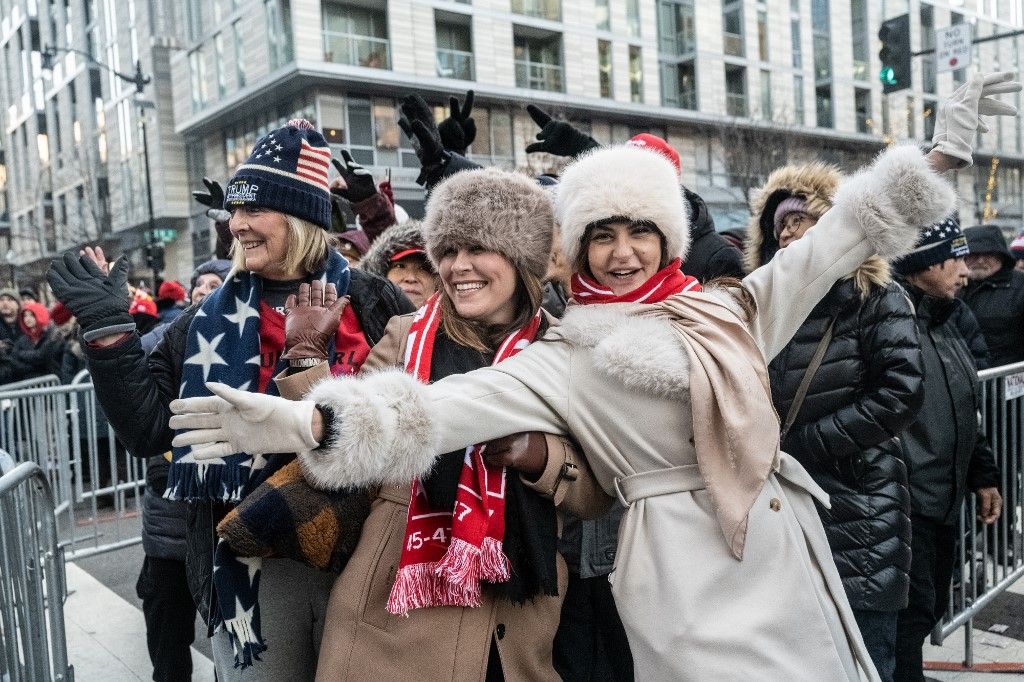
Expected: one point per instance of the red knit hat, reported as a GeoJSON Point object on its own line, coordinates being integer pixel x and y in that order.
{"type": "Point", "coordinates": [144, 305]}
{"type": "Point", "coordinates": [657, 145]}
{"type": "Point", "coordinates": [171, 290]}
{"type": "Point", "coordinates": [60, 314]}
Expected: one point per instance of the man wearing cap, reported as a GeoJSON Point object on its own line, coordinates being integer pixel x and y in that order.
{"type": "Point", "coordinates": [945, 456]}
{"type": "Point", "coordinates": [170, 300]}
{"type": "Point", "coordinates": [995, 293]}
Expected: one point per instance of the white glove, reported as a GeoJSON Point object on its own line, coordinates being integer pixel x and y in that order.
{"type": "Point", "coordinates": [232, 421]}
{"type": "Point", "coordinates": [959, 116]}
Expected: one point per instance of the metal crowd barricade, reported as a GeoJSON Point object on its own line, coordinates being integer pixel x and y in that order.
{"type": "Point", "coordinates": [33, 643]}
{"type": "Point", "coordinates": [97, 485]}
{"type": "Point", "coordinates": [991, 558]}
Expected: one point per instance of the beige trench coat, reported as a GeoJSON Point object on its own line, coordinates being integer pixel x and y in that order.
{"type": "Point", "coordinates": [691, 610]}
{"type": "Point", "coordinates": [362, 641]}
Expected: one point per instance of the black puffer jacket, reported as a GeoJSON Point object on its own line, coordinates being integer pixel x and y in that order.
{"type": "Point", "coordinates": [946, 457]}
{"type": "Point", "coordinates": [136, 394]}
{"type": "Point", "coordinates": [997, 301]}
{"type": "Point", "coordinates": [710, 256]}
{"type": "Point", "coordinates": [866, 391]}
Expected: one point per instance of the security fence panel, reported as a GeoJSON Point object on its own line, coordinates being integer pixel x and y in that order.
{"type": "Point", "coordinates": [33, 644]}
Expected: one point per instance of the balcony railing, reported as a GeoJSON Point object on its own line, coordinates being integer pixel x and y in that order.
{"type": "Point", "coordinates": [543, 9]}
{"type": "Point", "coordinates": [538, 76]}
{"type": "Point", "coordinates": [455, 64]}
{"type": "Point", "coordinates": [735, 104]}
{"type": "Point", "coordinates": [357, 50]}
{"type": "Point", "coordinates": [733, 44]}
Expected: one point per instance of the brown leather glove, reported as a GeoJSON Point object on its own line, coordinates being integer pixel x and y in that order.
{"type": "Point", "coordinates": [526, 452]}
{"type": "Point", "coordinates": [311, 319]}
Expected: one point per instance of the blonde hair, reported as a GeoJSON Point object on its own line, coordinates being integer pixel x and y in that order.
{"type": "Point", "coordinates": [528, 296]}
{"type": "Point", "coordinates": [308, 248]}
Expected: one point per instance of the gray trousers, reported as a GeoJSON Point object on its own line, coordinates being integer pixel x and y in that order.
{"type": "Point", "coordinates": [293, 605]}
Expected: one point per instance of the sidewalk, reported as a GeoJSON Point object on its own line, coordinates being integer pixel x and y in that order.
{"type": "Point", "coordinates": [107, 635]}
{"type": "Point", "coordinates": [989, 647]}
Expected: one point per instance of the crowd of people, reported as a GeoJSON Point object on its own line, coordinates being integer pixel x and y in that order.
{"type": "Point", "coordinates": [561, 428]}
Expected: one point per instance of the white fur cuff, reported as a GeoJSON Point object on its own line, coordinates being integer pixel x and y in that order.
{"type": "Point", "coordinates": [894, 198]}
{"type": "Point", "coordinates": [382, 432]}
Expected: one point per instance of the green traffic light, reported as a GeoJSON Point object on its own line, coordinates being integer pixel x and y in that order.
{"type": "Point", "coordinates": [887, 75]}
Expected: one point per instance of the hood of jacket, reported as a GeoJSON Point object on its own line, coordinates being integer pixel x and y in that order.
{"type": "Point", "coordinates": [701, 221]}
{"type": "Point", "coordinates": [377, 259]}
{"type": "Point", "coordinates": [989, 239]}
{"type": "Point", "coordinates": [816, 183]}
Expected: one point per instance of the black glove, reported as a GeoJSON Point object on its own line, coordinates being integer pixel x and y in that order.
{"type": "Point", "coordinates": [360, 183]}
{"type": "Point", "coordinates": [558, 137]}
{"type": "Point", "coordinates": [417, 121]}
{"type": "Point", "coordinates": [100, 302]}
{"type": "Point", "coordinates": [213, 199]}
{"type": "Point", "coordinates": [458, 130]}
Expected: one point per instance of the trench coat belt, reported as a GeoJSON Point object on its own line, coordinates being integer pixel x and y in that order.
{"type": "Point", "coordinates": [682, 479]}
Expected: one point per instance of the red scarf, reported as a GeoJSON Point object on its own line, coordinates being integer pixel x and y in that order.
{"type": "Point", "coordinates": [666, 282]}
{"type": "Point", "coordinates": [447, 552]}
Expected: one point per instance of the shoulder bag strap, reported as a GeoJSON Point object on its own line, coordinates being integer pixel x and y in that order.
{"type": "Point", "coordinates": [805, 382]}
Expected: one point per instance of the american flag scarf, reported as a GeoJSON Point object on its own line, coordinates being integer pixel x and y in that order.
{"type": "Point", "coordinates": [447, 552]}
{"type": "Point", "coordinates": [668, 281]}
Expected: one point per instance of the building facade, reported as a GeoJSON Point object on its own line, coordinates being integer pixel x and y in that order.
{"type": "Point", "coordinates": [737, 86]}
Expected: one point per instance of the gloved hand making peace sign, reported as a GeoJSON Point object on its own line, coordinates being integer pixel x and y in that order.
{"type": "Point", "coordinates": [558, 137]}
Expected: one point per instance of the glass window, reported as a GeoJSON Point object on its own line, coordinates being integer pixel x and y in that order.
{"type": "Point", "coordinates": [501, 133]}
{"type": "Point", "coordinates": [355, 36]}
{"type": "Point", "coordinates": [679, 85]}
{"type": "Point", "coordinates": [959, 75]}
{"type": "Point", "coordinates": [798, 100]}
{"type": "Point", "coordinates": [218, 50]}
{"type": "Point", "coordinates": [542, 9]}
{"type": "Point", "coordinates": [454, 51]}
{"type": "Point", "coordinates": [602, 15]}
{"type": "Point", "coordinates": [633, 17]}
{"type": "Point", "coordinates": [823, 105]}
{"type": "Point", "coordinates": [386, 132]}
{"type": "Point", "coordinates": [822, 40]}
{"type": "Point", "coordinates": [604, 67]}
{"type": "Point", "coordinates": [762, 35]}
{"type": "Point", "coordinates": [278, 33]}
{"type": "Point", "coordinates": [732, 28]}
{"type": "Point", "coordinates": [929, 110]}
{"type": "Point", "coordinates": [735, 90]}
{"type": "Point", "coordinates": [927, 17]}
{"type": "Point", "coordinates": [636, 74]}
{"type": "Point", "coordinates": [796, 46]}
{"type": "Point", "coordinates": [239, 53]}
{"type": "Point", "coordinates": [862, 109]}
{"type": "Point", "coordinates": [538, 62]}
{"type": "Point", "coordinates": [859, 28]}
{"type": "Point", "coordinates": [677, 33]}
{"type": "Point", "coordinates": [766, 95]}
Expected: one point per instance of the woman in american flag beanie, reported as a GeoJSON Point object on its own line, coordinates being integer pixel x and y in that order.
{"type": "Point", "coordinates": [280, 210]}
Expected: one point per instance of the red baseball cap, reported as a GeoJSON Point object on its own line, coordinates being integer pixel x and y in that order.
{"type": "Point", "coordinates": [405, 253]}
{"type": "Point", "coordinates": [657, 145]}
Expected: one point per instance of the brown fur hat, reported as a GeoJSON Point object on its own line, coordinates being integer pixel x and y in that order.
{"type": "Point", "coordinates": [498, 210]}
{"type": "Point", "coordinates": [622, 182]}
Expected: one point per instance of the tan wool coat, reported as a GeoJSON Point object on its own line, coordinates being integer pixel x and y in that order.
{"type": "Point", "coordinates": [619, 384]}
{"type": "Point", "coordinates": [362, 641]}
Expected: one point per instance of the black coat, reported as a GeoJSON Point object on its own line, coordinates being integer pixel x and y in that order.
{"type": "Point", "coordinates": [998, 304]}
{"type": "Point", "coordinates": [945, 455]}
{"type": "Point", "coordinates": [710, 255]}
{"type": "Point", "coordinates": [970, 331]}
{"type": "Point", "coordinates": [136, 393]}
{"type": "Point", "coordinates": [866, 391]}
{"type": "Point", "coordinates": [37, 359]}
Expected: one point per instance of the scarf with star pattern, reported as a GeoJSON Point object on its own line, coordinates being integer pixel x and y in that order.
{"type": "Point", "coordinates": [223, 344]}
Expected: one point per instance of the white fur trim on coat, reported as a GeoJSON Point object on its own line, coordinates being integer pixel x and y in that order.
{"type": "Point", "coordinates": [895, 197]}
{"type": "Point", "coordinates": [382, 432]}
{"type": "Point", "coordinates": [628, 182]}
{"type": "Point", "coordinates": [641, 352]}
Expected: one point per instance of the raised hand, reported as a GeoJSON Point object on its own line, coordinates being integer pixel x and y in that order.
{"type": "Point", "coordinates": [458, 130]}
{"type": "Point", "coordinates": [358, 182]}
{"type": "Point", "coordinates": [232, 421]}
{"type": "Point", "coordinates": [959, 117]}
{"type": "Point", "coordinates": [558, 137]}
{"type": "Point", "coordinates": [213, 199]}
{"type": "Point", "coordinates": [95, 254]}
{"type": "Point", "coordinates": [311, 320]}
{"type": "Point", "coordinates": [99, 300]}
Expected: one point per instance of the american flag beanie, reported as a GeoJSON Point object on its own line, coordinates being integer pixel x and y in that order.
{"type": "Point", "coordinates": [286, 172]}
{"type": "Point", "coordinates": [937, 243]}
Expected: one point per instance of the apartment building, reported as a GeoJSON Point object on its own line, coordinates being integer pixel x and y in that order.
{"type": "Point", "coordinates": [737, 86]}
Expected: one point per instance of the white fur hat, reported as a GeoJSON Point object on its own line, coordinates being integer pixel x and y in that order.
{"type": "Point", "coordinates": [621, 182]}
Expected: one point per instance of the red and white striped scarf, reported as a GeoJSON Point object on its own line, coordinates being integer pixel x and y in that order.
{"type": "Point", "coordinates": [447, 552]}
{"type": "Point", "coordinates": [668, 281]}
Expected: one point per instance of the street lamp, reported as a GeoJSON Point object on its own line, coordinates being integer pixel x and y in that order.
{"type": "Point", "coordinates": [140, 81]}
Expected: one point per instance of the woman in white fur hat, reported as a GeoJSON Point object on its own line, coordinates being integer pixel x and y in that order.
{"type": "Point", "coordinates": [723, 570]}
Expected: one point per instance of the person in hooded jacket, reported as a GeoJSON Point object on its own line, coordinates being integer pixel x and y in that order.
{"type": "Point", "coordinates": [845, 430]}
{"type": "Point", "coordinates": [39, 349]}
{"type": "Point", "coordinates": [399, 255]}
{"type": "Point", "coordinates": [995, 293]}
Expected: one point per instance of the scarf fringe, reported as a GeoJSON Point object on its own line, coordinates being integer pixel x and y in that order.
{"type": "Point", "coordinates": [494, 565]}
{"type": "Point", "coordinates": [419, 586]}
{"type": "Point", "coordinates": [460, 565]}
{"type": "Point", "coordinates": [247, 643]}
{"type": "Point", "coordinates": [217, 482]}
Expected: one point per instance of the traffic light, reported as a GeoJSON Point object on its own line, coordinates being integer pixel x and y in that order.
{"type": "Point", "coordinates": [155, 257]}
{"type": "Point", "coordinates": [895, 54]}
